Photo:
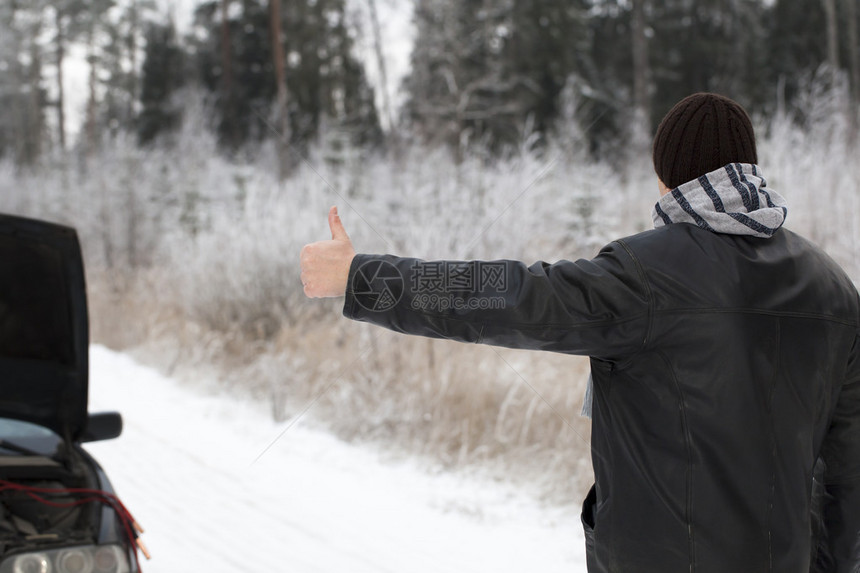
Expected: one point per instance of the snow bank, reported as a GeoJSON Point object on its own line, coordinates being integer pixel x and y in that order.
{"type": "Point", "coordinates": [185, 467]}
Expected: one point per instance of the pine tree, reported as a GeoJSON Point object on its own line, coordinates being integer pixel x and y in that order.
{"type": "Point", "coordinates": [641, 74]}
{"type": "Point", "coordinates": [324, 80]}
{"type": "Point", "coordinates": [162, 75]}
{"type": "Point", "coordinates": [282, 115]}
{"type": "Point", "coordinates": [23, 97]}
{"type": "Point", "coordinates": [485, 70]}
{"type": "Point", "coordinates": [119, 64]}
{"type": "Point", "coordinates": [796, 43]}
{"type": "Point", "coordinates": [708, 45]}
{"type": "Point", "coordinates": [546, 46]}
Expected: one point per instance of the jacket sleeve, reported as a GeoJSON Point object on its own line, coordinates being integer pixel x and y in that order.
{"type": "Point", "coordinates": [838, 493]}
{"type": "Point", "coordinates": [598, 308]}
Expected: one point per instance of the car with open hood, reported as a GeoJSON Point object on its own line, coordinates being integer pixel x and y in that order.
{"type": "Point", "coordinates": [58, 511]}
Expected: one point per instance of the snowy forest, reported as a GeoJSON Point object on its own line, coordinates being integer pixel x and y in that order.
{"type": "Point", "coordinates": [195, 156]}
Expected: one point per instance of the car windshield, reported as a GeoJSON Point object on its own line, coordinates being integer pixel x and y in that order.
{"type": "Point", "coordinates": [26, 435]}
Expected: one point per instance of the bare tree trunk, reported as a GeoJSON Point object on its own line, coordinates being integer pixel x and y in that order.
{"type": "Point", "coordinates": [641, 77]}
{"type": "Point", "coordinates": [93, 96]}
{"type": "Point", "coordinates": [28, 118]}
{"type": "Point", "coordinates": [19, 81]}
{"type": "Point", "coordinates": [132, 54]}
{"type": "Point", "coordinates": [227, 72]}
{"type": "Point", "coordinates": [283, 118]}
{"type": "Point", "coordinates": [132, 218]}
{"type": "Point", "coordinates": [853, 48]}
{"type": "Point", "coordinates": [34, 131]}
{"type": "Point", "coordinates": [61, 99]}
{"type": "Point", "coordinates": [105, 220]}
{"type": "Point", "coordinates": [832, 36]}
{"type": "Point", "coordinates": [380, 60]}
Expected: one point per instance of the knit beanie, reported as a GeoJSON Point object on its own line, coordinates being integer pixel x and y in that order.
{"type": "Point", "coordinates": [702, 133]}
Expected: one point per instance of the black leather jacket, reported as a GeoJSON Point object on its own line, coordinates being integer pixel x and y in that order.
{"type": "Point", "coordinates": [724, 366]}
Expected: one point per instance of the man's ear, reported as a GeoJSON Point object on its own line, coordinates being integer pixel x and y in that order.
{"type": "Point", "coordinates": [662, 187]}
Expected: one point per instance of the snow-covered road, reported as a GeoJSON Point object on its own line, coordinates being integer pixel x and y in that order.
{"type": "Point", "coordinates": [311, 504]}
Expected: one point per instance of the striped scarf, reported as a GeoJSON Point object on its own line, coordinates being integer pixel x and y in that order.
{"type": "Point", "coordinates": [732, 200]}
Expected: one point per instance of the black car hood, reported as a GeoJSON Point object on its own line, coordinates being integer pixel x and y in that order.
{"type": "Point", "coordinates": [44, 333]}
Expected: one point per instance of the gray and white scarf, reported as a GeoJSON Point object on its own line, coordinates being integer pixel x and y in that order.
{"type": "Point", "coordinates": [733, 199]}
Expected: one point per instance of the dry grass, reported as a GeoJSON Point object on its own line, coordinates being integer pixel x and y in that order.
{"type": "Point", "coordinates": [512, 414]}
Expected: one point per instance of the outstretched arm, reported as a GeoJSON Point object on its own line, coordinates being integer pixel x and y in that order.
{"type": "Point", "coordinates": [598, 308]}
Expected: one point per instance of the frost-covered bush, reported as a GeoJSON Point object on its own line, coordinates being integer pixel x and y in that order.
{"type": "Point", "coordinates": [193, 261]}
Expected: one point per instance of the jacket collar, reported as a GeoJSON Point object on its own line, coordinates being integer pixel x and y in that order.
{"type": "Point", "coordinates": [733, 200]}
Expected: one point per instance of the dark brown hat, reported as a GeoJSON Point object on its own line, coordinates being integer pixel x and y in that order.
{"type": "Point", "coordinates": [702, 133]}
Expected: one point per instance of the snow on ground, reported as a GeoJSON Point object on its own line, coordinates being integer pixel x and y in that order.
{"type": "Point", "coordinates": [184, 467]}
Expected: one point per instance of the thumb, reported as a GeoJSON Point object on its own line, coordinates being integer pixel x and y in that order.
{"type": "Point", "coordinates": [338, 233]}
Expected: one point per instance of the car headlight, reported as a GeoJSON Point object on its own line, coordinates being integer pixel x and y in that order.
{"type": "Point", "coordinates": [80, 559]}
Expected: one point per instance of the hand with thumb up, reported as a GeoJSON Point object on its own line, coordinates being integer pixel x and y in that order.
{"type": "Point", "coordinates": [325, 264]}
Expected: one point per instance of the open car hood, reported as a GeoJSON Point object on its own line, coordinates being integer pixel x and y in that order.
{"type": "Point", "coordinates": [44, 333]}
